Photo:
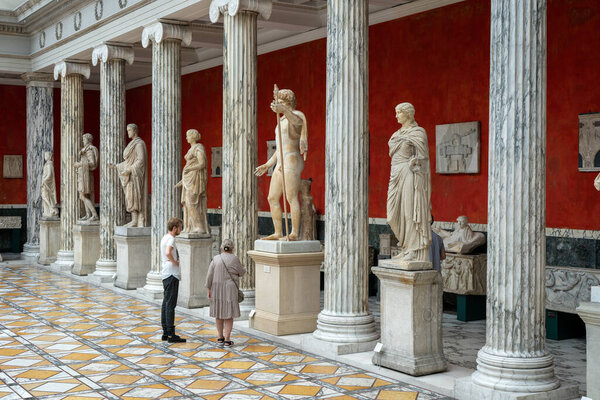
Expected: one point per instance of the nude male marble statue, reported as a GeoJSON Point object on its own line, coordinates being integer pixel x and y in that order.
{"type": "Point", "coordinates": [462, 240]}
{"type": "Point", "coordinates": [294, 146]}
{"type": "Point", "coordinates": [132, 173]}
{"type": "Point", "coordinates": [87, 164]}
{"type": "Point", "coordinates": [409, 190]}
{"type": "Point", "coordinates": [50, 208]}
{"type": "Point", "coordinates": [193, 186]}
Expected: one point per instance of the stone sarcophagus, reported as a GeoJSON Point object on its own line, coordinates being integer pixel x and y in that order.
{"type": "Point", "coordinates": [567, 287]}
{"type": "Point", "coordinates": [465, 274]}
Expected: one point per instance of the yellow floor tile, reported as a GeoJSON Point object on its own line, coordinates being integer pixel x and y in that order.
{"type": "Point", "coordinates": [126, 379]}
{"type": "Point", "coordinates": [37, 374]}
{"type": "Point", "coordinates": [396, 395]}
{"type": "Point", "coordinates": [319, 369]}
{"type": "Point", "coordinates": [236, 365]}
{"type": "Point", "coordinates": [208, 384]}
{"type": "Point", "coordinates": [300, 390]}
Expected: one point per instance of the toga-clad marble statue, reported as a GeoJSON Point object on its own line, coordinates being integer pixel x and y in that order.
{"type": "Point", "coordinates": [87, 164]}
{"type": "Point", "coordinates": [294, 147]}
{"type": "Point", "coordinates": [193, 186]}
{"type": "Point", "coordinates": [409, 190]}
{"type": "Point", "coordinates": [462, 240]}
{"type": "Point", "coordinates": [132, 173]}
{"type": "Point", "coordinates": [49, 203]}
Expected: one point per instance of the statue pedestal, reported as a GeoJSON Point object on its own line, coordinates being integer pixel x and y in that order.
{"type": "Point", "coordinates": [411, 319]}
{"type": "Point", "coordinates": [194, 258]}
{"type": "Point", "coordinates": [590, 313]}
{"type": "Point", "coordinates": [133, 256]}
{"type": "Point", "coordinates": [49, 240]}
{"type": "Point", "coordinates": [86, 248]}
{"type": "Point", "coordinates": [287, 286]}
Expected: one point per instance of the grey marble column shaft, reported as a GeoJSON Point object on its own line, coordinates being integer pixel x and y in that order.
{"type": "Point", "coordinates": [112, 143]}
{"type": "Point", "coordinates": [166, 134]}
{"type": "Point", "coordinates": [71, 114]}
{"type": "Point", "coordinates": [239, 205]}
{"type": "Point", "coordinates": [346, 317]}
{"type": "Point", "coordinates": [39, 140]}
{"type": "Point", "coordinates": [514, 358]}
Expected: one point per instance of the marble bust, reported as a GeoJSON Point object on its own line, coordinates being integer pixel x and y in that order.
{"type": "Point", "coordinates": [132, 174]}
{"type": "Point", "coordinates": [409, 190]}
{"type": "Point", "coordinates": [193, 186]}
{"type": "Point", "coordinates": [49, 203]}
{"type": "Point", "coordinates": [294, 147]}
{"type": "Point", "coordinates": [87, 164]}
{"type": "Point", "coordinates": [462, 240]}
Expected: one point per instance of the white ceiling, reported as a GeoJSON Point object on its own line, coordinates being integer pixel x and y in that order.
{"type": "Point", "coordinates": [10, 5]}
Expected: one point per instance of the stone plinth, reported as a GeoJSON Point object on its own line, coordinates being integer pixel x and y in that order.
{"type": "Point", "coordinates": [464, 273]}
{"type": "Point", "coordinates": [287, 286]}
{"type": "Point", "coordinates": [590, 314]}
{"type": "Point", "coordinates": [133, 256]}
{"type": "Point", "coordinates": [194, 258]}
{"type": "Point", "coordinates": [86, 248]}
{"type": "Point", "coordinates": [411, 320]}
{"type": "Point", "coordinates": [49, 240]}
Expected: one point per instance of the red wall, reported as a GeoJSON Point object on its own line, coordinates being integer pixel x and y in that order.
{"type": "Point", "coordinates": [437, 60]}
{"type": "Point", "coordinates": [13, 140]}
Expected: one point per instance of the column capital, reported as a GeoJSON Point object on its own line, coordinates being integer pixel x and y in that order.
{"type": "Point", "coordinates": [38, 79]}
{"type": "Point", "coordinates": [232, 7]}
{"type": "Point", "coordinates": [112, 51]}
{"type": "Point", "coordinates": [64, 68]}
{"type": "Point", "coordinates": [161, 30]}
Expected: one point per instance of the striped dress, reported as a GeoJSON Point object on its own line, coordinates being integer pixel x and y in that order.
{"type": "Point", "coordinates": [223, 291]}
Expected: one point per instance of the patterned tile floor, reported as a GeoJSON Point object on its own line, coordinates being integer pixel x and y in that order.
{"type": "Point", "coordinates": [63, 339]}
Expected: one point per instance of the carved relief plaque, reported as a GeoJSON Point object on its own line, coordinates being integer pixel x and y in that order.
{"type": "Point", "coordinates": [13, 167]}
{"type": "Point", "coordinates": [216, 162]}
{"type": "Point", "coordinates": [589, 142]}
{"type": "Point", "coordinates": [457, 148]}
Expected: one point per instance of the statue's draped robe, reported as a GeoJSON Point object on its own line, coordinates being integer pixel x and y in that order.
{"type": "Point", "coordinates": [409, 193]}
{"type": "Point", "coordinates": [85, 178]}
{"type": "Point", "coordinates": [193, 192]}
{"type": "Point", "coordinates": [49, 190]}
{"type": "Point", "coordinates": [135, 185]}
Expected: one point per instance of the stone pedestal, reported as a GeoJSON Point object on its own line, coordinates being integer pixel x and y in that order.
{"type": "Point", "coordinates": [86, 243]}
{"type": "Point", "coordinates": [590, 313]}
{"type": "Point", "coordinates": [194, 258]}
{"type": "Point", "coordinates": [287, 286]}
{"type": "Point", "coordinates": [411, 320]}
{"type": "Point", "coordinates": [133, 256]}
{"type": "Point", "coordinates": [49, 240]}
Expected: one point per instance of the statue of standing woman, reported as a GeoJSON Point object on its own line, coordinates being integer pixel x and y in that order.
{"type": "Point", "coordinates": [409, 190]}
{"type": "Point", "coordinates": [132, 173]}
{"type": "Point", "coordinates": [193, 183]}
{"type": "Point", "coordinates": [88, 162]}
{"type": "Point", "coordinates": [49, 202]}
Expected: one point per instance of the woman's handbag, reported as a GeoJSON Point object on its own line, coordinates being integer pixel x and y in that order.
{"type": "Point", "coordinates": [240, 293]}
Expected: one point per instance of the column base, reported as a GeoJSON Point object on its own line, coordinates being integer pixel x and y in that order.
{"type": "Point", "coordinates": [465, 389]}
{"type": "Point", "coordinates": [64, 260]}
{"type": "Point", "coordinates": [153, 289]}
{"type": "Point", "coordinates": [351, 330]}
{"type": "Point", "coordinates": [337, 349]}
{"type": "Point", "coordinates": [30, 251]}
{"type": "Point", "coordinates": [105, 271]}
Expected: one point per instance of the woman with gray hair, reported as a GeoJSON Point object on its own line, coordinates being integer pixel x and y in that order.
{"type": "Point", "coordinates": [222, 283]}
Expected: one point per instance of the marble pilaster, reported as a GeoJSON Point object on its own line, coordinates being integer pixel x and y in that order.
{"type": "Point", "coordinates": [39, 140]}
{"type": "Point", "coordinates": [345, 317]}
{"type": "Point", "coordinates": [166, 39]}
{"type": "Point", "coordinates": [240, 216]}
{"type": "Point", "coordinates": [112, 59]}
{"type": "Point", "coordinates": [71, 114]}
{"type": "Point", "coordinates": [514, 362]}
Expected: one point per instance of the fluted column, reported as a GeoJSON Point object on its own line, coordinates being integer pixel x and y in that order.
{"type": "Point", "coordinates": [240, 217]}
{"type": "Point", "coordinates": [166, 133]}
{"type": "Point", "coordinates": [39, 140]}
{"type": "Point", "coordinates": [112, 59]}
{"type": "Point", "coordinates": [346, 316]}
{"type": "Point", "coordinates": [71, 114]}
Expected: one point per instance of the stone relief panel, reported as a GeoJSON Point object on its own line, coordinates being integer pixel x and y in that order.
{"type": "Point", "coordinates": [271, 148]}
{"type": "Point", "coordinates": [216, 162]}
{"type": "Point", "coordinates": [567, 287]}
{"type": "Point", "coordinates": [215, 233]}
{"type": "Point", "coordinates": [589, 142]}
{"type": "Point", "coordinates": [13, 166]}
{"type": "Point", "coordinates": [457, 148]}
{"type": "Point", "coordinates": [465, 274]}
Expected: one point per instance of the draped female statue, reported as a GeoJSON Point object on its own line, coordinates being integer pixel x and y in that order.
{"type": "Point", "coordinates": [49, 202]}
{"type": "Point", "coordinates": [193, 184]}
{"type": "Point", "coordinates": [132, 173]}
{"type": "Point", "coordinates": [409, 190]}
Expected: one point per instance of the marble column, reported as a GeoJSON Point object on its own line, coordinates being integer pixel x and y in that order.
{"type": "Point", "coordinates": [514, 359]}
{"type": "Point", "coordinates": [240, 216]}
{"type": "Point", "coordinates": [71, 114]}
{"type": "Point", "coordinates": [345, 317]}
{"type": "Point", "coordinates": [166, 134]}
{"type": "Point", "coordinates": [112, 59]}
{"type": "Point", "coordinates": [39, 140]}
